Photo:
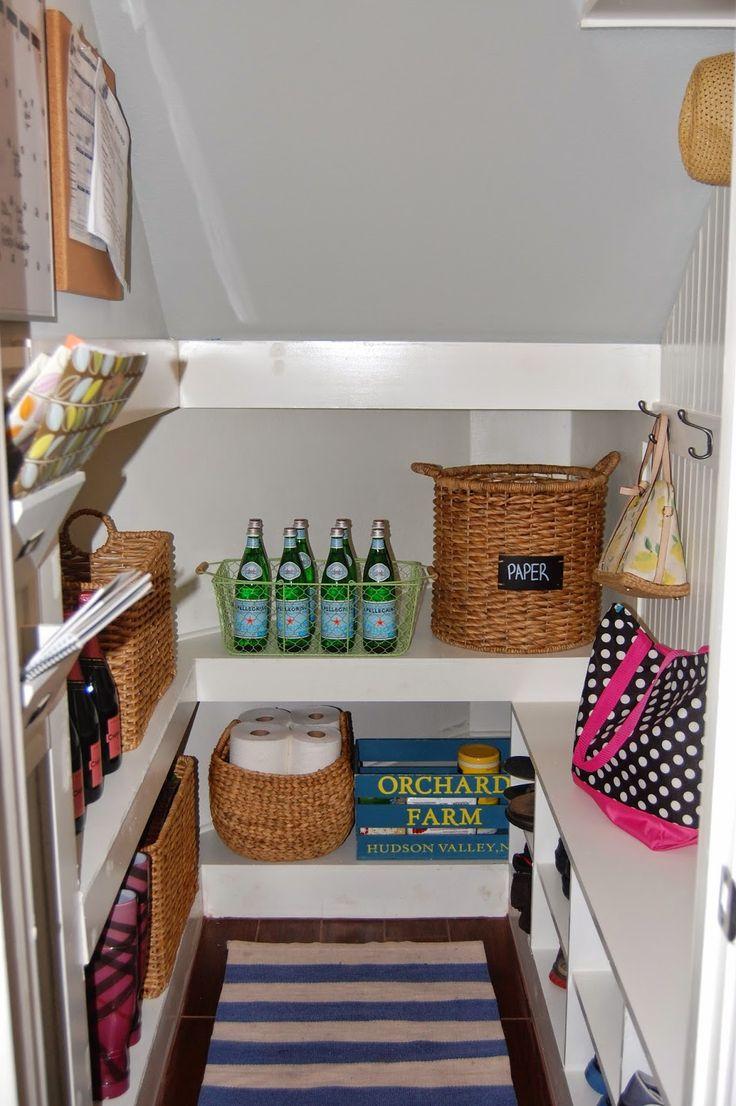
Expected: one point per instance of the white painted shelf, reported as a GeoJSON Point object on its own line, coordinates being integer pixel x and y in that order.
{"type": "Point", "coordinates": [430, 672]}
{"type": "Point", "coordinates": [559, 906]}
{"type": "Point", "coordinates": [529, 838]}
{"type": "Point", "coordinates": [642, 902]}
{"type": "Point", "coordinates": [340, 886]}
{"type": "Point", "coordinates": [581, 1093]}
{"type": "Point", "coordinates": [475, 376]}
{"type": "Point", "coordinates": [116, 821]}
{"type": "Point", "coordinates": [554, 997]}
{"type": "Point", "coordinates": [159, 1022]}
{"type": "Point", "coordinates": [603, 1010]}
{"type": "Point", "coordinates": [36, 519]}
{"type": "Point", "coordinates": [658, 13]}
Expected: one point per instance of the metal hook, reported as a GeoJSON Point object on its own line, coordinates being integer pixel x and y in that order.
{"type": "Point", "coordinates": [682, 416]}
{"type": "Point", "coordinates": [652, 415]}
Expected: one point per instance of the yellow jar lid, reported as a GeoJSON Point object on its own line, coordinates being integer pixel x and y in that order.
{"type": "Point", "coordinates": [480, 756]}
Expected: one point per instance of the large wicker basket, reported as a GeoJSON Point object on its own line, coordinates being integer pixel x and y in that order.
{"type": "Point", "coordinates": [269, 817]}
{"type": "Point", "coordinates": [174, 860]}
{"type": "Point", "coordinates": [139, 645]}
{"type": "Point", "coordinates": [542, 523]}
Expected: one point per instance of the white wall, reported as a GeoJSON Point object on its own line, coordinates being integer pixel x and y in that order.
{"type": "Point", "coordinates": [407, 168]}
{"type": "Point", "coordinates": [139, 314]}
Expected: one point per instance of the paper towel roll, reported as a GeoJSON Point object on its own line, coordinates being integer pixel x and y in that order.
{"type": "Point", "coordinates": [323, 718]}
{"type": "Point", "coordinates": [313, 749]}
{"type": "Point", "coordinates": [266, 716]}
{"type": "Point", "coordinates": [260, 748]}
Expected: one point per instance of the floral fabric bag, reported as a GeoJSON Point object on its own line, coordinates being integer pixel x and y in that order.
{"type": "Point", "coordinates": [645, 555]}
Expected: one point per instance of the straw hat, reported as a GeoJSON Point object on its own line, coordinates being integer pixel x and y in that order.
{"type": "Point", "coordinates": [706, 121]}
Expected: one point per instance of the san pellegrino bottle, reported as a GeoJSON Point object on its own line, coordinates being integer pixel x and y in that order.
{"type": "Point", "coordinates": [385, 525]}
{"type": "Point", "coordinates": [99, 677]}
{"type": "Point", "coordinates": [306, 556]}
{"type": "Point", "coordinates": [83, 714]}
{"type": "Point", "coordinates": [292, 598]}
{"type": "Point", "coordinates": [346, 525]}
{"type": "Point", "coordinates": [380, 630]}
{"type": "Point", "coordinates": [252, 607]}
{"type": "Point", "coordinates": [80, 808]}
{"type": "Point", "coordinates": [337, 610]}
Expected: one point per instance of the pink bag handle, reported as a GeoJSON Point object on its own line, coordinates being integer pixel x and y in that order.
{"type": "Point", "coordinates": [611, 694]}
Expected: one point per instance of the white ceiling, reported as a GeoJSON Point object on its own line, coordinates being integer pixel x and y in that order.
{"type": "Point", "coordinates": [407, 168]}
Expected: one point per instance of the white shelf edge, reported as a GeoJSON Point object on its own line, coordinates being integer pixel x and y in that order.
{"type": "Point", "coordinates": [418, 375]}
{"type": "Point", "coordinates": [116, 821]}
{"type": "Point", "coordinates": [602, 1004]}
{"type": "Point", "coordinates": [581, 1093]}
{"type": "Point", "coordinates": [559, 906]}
{"type": "Point", "coordinates": [554, 997]}
{"type": "Point", "coordinates": [160, 1017]}
{"type": "Point", "coordinates": [685, 14]}
{"type": "Point", "coordinates": [36, 519]}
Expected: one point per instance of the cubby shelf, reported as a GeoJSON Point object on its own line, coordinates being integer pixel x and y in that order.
{"type": "Point", "coordinates": [603, 1010]}
{"type": "Point", "coordinates": [430, 672]}
{"type": "Point", "coordinates": [554, 996]}
{"type": "Point", "coordinates": [559, 906]}
{"type": "Point", "coordinates": [658, 13]}
{"type": "Point", "coordinates": [627, 888]}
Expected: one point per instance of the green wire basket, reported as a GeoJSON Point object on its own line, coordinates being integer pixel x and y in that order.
{"type": "Point", "coordinates": [408, 590]}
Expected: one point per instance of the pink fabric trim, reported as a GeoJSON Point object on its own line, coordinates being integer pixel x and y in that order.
{"type": "Point", "coordinates": [656, 833]}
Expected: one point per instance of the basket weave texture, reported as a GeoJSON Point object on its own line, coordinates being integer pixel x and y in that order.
{"type": "Point", "coordinates": [282, 818]}
{"type": "Point", "coordinates": [706, 121]}
{"type": "Point", "coordinates": [139, 645]}
{"type": "Point", "coordinates": [484, 512]}
{"type": "Point", "coordinates": [174, 860]}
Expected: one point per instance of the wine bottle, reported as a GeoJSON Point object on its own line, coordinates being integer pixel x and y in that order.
{"type": "Point", "coordinates": [80, 807]}
{"type": "Point", "coordinates": [105, 695]}
{"type": "Point", "coordinates": [83, 714]}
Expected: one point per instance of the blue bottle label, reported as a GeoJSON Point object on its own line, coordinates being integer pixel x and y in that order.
{"type": "Point", "coordinates": [251, 570]}
{"type": "Point", "coordinates": [250, 618]}
{"type": "Point", "coordinates": [338, 620]}
{"type": "Point", "coordinates": [292, 618]}
{"type": "Point", "coordinates": [379, 620]}
{"type": "Point", "coordinates": [289, 570]}
{"type": "Point", "coordinates": [336, 571]}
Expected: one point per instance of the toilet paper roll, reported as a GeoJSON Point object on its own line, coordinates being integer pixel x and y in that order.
{"type": "Point", "coordinates": [266, 716]}
{"type": "Point", "coordinates": [322, 718]}
{"type": "Point", "coordinates": [260, 748]}
{"type": "Point", "coordinates": [313, 749]}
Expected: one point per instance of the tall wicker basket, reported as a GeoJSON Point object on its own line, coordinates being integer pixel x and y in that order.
{"type": "Point", "coordinates": [139, 645]}
{"type": "Point", "coordinates": [515, 547]}
{"type": "Point", "coordinates": [270, 817]}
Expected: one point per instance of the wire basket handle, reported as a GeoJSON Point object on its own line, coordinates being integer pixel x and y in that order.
{"type": "Point", "coordinates": [203, 568]}
{"type": "Point", "coordinates": [426, 468]}
{"type": "Point", "coordinates": [65, 540]}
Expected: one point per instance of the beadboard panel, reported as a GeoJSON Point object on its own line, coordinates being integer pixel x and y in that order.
{"type": "Point", "coordinates": [692, 378]}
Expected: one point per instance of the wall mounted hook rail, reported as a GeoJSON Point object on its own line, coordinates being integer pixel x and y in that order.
{"type": "Point", "coordinates": [652, 415]}
{"type": "Point", "coordinates": [682, 416]}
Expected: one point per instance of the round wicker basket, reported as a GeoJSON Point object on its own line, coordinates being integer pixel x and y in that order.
{"type": "Point", "coordinates": [484, 514]}
{"type": "Point", "coordinates": [282, 818]}
{"type": "Point", "coordinates": [706, 121]}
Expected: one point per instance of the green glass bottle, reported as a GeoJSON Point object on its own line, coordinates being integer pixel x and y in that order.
{"type": "Point", "coordinates": [292, 599]}
{"type": "Point", "coordinates": [385, 525]}
{"type": "Point", "coordinates": [380, 627]}
{"type": "Point", "coordinates": [346, 525]}
{"type": "Point", "coordinates": [252, 608]}
{"type": "Point", "coordinates": [306, 556]}
{"type": "Point", "coordinates": [337, 619]}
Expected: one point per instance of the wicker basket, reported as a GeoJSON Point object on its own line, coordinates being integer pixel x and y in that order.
{"type": "Point", "coordinates": [706, 121]}
{"type": "Point", "coordinates": [268, 817]}
{"type": "Point", "coordinates": [139, 645]}
{"type": "Point", "coordinates": [515, 547]}
{"type": "Point", "coordinates": [174, 860]}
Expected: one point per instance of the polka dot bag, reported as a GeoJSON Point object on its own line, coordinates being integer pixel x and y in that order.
{"type": "Point", "coordinates": [639, 735]}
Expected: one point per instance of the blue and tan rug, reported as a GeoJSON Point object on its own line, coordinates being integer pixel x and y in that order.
{"type": "Point", "coordinates": [357, 1025]}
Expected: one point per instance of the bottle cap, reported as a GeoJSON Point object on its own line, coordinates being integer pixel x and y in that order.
{"type": "Point", "coordinates": [344, 523]}
{"type": "Point", "coordinates": [337, 532]}
{"type": "Point", "coordinates": [378, 532]}
{"type": "Point", "coordinates": [382, 522]}
{"type": "Point", "coordinates": [289, 532]}
{"type": "Point", "coordinates": [254, 532]}
{"type": "Point", "coordinates": [255, 523]}
{"type": "Point", "coordinates": [301, 523]}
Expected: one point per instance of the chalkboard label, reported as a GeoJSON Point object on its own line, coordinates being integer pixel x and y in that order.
{"type": "Point", "coordinates": [530, 573]}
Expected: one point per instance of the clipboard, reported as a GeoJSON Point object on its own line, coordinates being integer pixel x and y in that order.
{"type": "Point", "coordinates": [78, 268]}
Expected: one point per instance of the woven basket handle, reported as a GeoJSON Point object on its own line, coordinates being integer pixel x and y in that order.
{"type": "Point", "coordinates": [607, 464]}
{"type": "Point", "coordinates": [425, 468]}
{"type": "Point", "coordinates": [68, 545]}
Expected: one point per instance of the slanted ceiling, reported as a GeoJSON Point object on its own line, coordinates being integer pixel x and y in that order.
{"type": "Point", "coordinates": [407, 168]}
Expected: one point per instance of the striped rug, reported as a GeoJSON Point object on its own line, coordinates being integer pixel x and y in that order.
{"type": "Point", "coordinates": [395, 1024]}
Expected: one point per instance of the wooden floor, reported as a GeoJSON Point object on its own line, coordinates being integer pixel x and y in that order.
{"type": "Point", "coordinates": [189, 1054]}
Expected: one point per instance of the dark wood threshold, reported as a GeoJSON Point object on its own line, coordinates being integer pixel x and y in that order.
{"type": "Point", "coordinates": [185, 1069]}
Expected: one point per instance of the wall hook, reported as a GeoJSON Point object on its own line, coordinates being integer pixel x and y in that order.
{"type": "Point", "coordinates": [682, 416]}
{"type": "Point", "coordinates": [652, 415]}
